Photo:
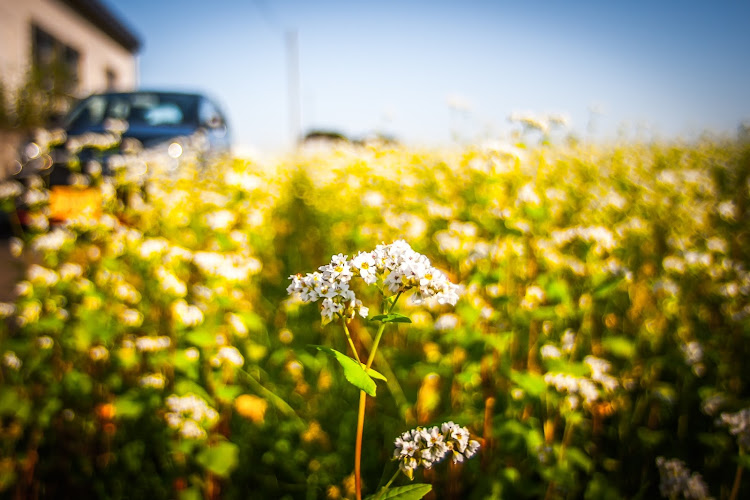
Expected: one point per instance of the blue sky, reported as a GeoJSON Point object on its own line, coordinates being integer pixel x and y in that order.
{"type": "Point", "coordinates": [431, 72]}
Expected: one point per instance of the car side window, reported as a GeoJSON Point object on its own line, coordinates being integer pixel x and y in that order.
{"type": "Point", "coordinates": [89, 112]}
{"type": "Point", "coordinates": [209, 115]}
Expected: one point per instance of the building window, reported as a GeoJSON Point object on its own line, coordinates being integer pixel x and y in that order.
{"type": "Point", "coordinates": [55, 64]}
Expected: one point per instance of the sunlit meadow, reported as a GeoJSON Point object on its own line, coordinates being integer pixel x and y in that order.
{"type": "Point", "coordinates": [597, 347]}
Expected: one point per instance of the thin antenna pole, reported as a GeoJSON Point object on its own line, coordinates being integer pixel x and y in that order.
{"type": "Point", "coordinates": [293, 86]}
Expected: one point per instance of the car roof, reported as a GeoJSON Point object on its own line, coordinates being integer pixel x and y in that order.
{"type": "Point", "coordinates": [149, 92]}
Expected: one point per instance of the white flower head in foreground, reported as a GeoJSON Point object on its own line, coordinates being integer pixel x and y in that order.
{"type": "Point", "coordinates": [422, 447]}
{"type": "Point", "coordinates": [394, 268]}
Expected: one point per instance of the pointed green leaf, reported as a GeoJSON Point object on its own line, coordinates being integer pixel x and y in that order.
{"type": "Point", "coordinates": [375, 374]}
{"type": "Point", "coordinates": [353, 370]}
{"type": "Point", "coordinates": [391, 318]}
{"type": "Point", "coordinates": [408, 492]}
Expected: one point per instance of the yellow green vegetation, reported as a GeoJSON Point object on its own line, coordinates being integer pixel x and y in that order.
{"type": "Point", "coordinates": [600, 334]}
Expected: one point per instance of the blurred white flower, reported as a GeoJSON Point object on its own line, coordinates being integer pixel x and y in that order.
{"type": "Point", "coordinates": [229, 355]}
{"type": "Point", "coordinates": [186, 315]}
{"type": "Point", "coordinates": [99, 353]}
{"type": "Point", "coordinates": [152, 380]}
{"type": "Point", "coordinates": [12, 361]}
{"type": "Point", "coordinates": [152, 344]}
{"type": "Point", "coordinates": [549, 351]}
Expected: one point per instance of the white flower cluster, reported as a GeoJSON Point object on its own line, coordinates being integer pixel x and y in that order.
{"type": "Point", "coordinates": [10, 190]}
{"type": "Point", "coordinates": [584, 387]}
{"type": "Point", "coordinates": [230, 266]}
{"type": "Point", "coordinates": [676, 481]}
{"type": "Point", "coordinates": [185, 314]}
{"type": "Point", "coordinates": [152, 344]}
{"type": "Point", "coordinates": [12, 361]}
{"type": "Point", "coordinates": [601, 237]}
{"type": "Point", "coordinates": [152, 380]}
{"type": "Point", "coordinates": [739, 425]}
{"type": "Point", "coordinates": [394, 267]}
{"type": "Point", "coordinates": [693, 353]}
{"type": "Point", "coordinates": [228, 355]}
{"type": "Point", "coordinates": [426, 447]}
{"type": "Point", "coordinates": [190, 415]}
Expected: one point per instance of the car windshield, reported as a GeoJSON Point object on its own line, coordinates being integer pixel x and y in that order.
{"type": "Point", "coordinates": [138, 109]}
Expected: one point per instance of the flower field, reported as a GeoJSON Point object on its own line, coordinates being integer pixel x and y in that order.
{"type": "Point", "coordinates": [597, 346]}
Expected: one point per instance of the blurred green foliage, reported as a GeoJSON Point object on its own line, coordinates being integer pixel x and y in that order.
{"type": "Point", "coordinates": [603, 323]}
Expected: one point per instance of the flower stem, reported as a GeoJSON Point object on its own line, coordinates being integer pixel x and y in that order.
{"type": "Point", "coordinates": [361, 413]}
{"type": "Point", "coordinates": [736, 485]}
{"type": "Point", "coordinates": [358, 445]}
{"type": "Point", "coordinates": [351, 343]}
{"type": "Point", "coordinates": [387, 485]}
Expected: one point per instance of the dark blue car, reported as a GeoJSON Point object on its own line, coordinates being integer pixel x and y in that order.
{"type": "Point", "coordinates": [175, 126]}
{"type": "Point", "coordinates": [139, 121]}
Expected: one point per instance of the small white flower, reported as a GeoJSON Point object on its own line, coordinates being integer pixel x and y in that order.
{"type": "Point", "coordinates": [550, 351]}
{"type": "Point", "coordinates": [152, 380]}
{"type": "Point", "coordinates": [229, 355]}
{"type": "Point", "coordinates": [99, 353]}
{"type": "Point", "coordinates": [12, 361]}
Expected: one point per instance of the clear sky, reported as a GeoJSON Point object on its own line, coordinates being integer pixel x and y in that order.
{"type": "Point", "coordinates": [428, 72]}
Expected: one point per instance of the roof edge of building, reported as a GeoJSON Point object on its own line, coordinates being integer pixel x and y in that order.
{"type": "Point", "coordinates": [99, 15]}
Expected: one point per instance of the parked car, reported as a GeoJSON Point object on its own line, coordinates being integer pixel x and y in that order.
{"type": "Point", "coordinates": [102, 127]}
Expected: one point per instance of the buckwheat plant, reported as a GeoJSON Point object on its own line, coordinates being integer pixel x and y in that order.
{"type": "Point", "coordinates": [394, 269]}
{"type": "Point", "coordinates": [678, 482]}
{"type": "Point", "coordinates": [739, 426]}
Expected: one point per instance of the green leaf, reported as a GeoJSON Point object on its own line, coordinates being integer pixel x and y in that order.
{"type": "Point", "coordinates": [13, 403]}
{"type": "Point", "coordinates": [201, 338]}
{"type": "Point", "coordinates": [227, 393]}
{"type": "Point", "coordinates": [375, 374]}
{"type": "Point", "coordinates": [193, 493]}
{"type": "Point", "coordinates": [128, 407]}
{"type": "Point", "coordinates": [604, 289]}
{"type": "Point", "coordinates": [353, 370]}
{"type": "Point", "coordinates": [408, 492]}
{"type": "Point", "coordinates": [533, 384]}
{"type": "Point", "coordinates": [579, 458]}
{"type": "Point", "coordinates": [391, 318]}
{"type": "Point", "coordinates": [744, 461]}
{"type": "Point", "coordinates": [220, 459]}
{"type": "Point", "coordinates": [622, 347]}
{"type": "Point", "coordinates": [600, 488]}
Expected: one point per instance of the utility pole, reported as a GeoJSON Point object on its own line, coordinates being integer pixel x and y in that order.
{"type": "Point", "coordinates": [292, 53]}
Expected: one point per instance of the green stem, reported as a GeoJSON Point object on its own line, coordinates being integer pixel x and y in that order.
{"type": "Point", "coordinates": [737, 482]}
{"type": "Point", "coordinates": [358, 445]}
{"type": "Point", "coordinates": [387, 485]}
{"type": "Point", "coordinates": [349, 338]}
{"type": "Point", "coordinates": [393, 386]}
{"type": "Point", "coordinates": [374, 349]}
{"type": "Point", "coordinates": [361, 413]}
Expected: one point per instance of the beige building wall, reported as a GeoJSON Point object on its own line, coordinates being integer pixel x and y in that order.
{"type": "Point", "coordinates": [99, 54]}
